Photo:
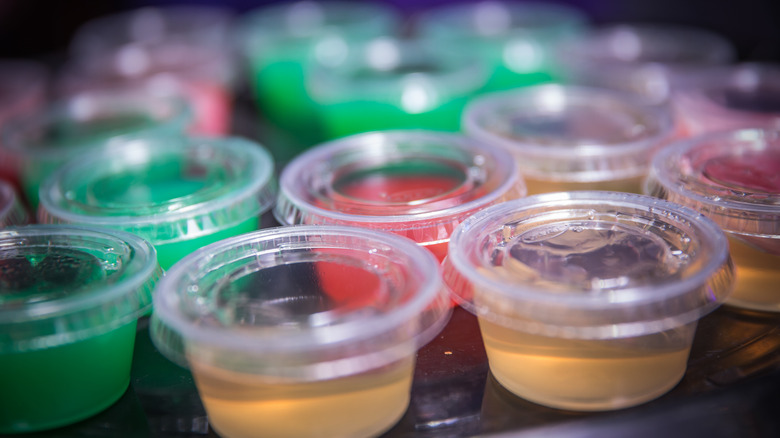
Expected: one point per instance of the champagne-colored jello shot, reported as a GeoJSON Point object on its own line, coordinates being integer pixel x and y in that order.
{"type": "Point", "coordinates": [588, 301]}
{"type": "Point", "coordinates": [419, 184]}
{"type": "Point", "coordinates": [305, 331]}
{"type": "Point", "coordinates": [69, 301]}
{"type": "Point", "coordinates": [733, 177]}
{"type": "Point", "coordinates": [571, 138]}
{"type": "Point", "coordinates": [180, 193]}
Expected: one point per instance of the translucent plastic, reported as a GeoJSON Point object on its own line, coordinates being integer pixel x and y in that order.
{"type": "Point", "coordinates": [588, 300]}
{"type": "Point", "coordinates": [649, 59]}
{"type": "Point", "coordinates": [734, 97]}
{"type": "Point", "coordinates": [179, 193]}
{"type": "Point", "coordinates": [281, 41]}
{"type": "Point", "coordinates": [69, 300]}
{"type": "Point", "coordinates": [182, 50]}
{"type": "Point", "coordinates": [516, 40]}
{"type": "Point", "coordinates": [571, 138]}
{"type": "Point", "coordinates": [417, 184]}
{"type": "Point", "coordinates": [12, 212]}
{"type": "Point", "coordinates": [732, 177]}
{"type": "Point", "coordinates": [38, 144]}
{"type": "Point", "coordinates": [394, 84]}
{"type": "Point", "coordinates": [315, 322]}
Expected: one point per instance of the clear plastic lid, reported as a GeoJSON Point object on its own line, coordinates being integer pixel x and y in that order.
{"type": "Point", "coordinates": [411, 75]}
{"type": "Point", "coordinates": [651, 59]}
{"type": "Point", "coordinates": [12, 212]}
{"type": "Point", "coordinates": [519, 34]}
{"type": "Point", "coordinates": [63, 284]}
{"type": "Point", "coordinates": [419, 184]}
{"type": "Point", "coordinates": [91, 120]}
{"type": "Point", "coordinates": [590, 265]}
{"type": "Point", "coordinates": [570, 133]}
{"type": "Point", "coordinates": [733, 177]}
{"type": "Point", "coordinates": [738, 96]}
{"type": "Point", "coordinates": [301, 302]}
{"type": "Point", "coordinates": [163, 188]}
{"type": "Point", "coordinates": [291, 30]}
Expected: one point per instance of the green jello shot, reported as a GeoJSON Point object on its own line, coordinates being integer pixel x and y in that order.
{"type": "Point", "coordinates": [179, 193]}
{"type": "Point", "coordinates": [37, 144]}
{"type": "Point", "coordinates": [280, 43]}
{"type": "Point", "coordinates": [390, 83]}
{"type": "Point", "coordinates": [517, 40]}
{"type": "Point", "coordinates": [69, 301]}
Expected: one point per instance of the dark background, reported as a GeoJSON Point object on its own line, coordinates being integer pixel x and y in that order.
{"type": "Point", "coordinates": [42, 29]}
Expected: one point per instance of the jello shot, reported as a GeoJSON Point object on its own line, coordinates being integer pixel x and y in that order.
{"type": "Point", "coordinates": [23, 87]}
{"type": "Point", "coordinates": [516, 40]}
{"type": "Point", "coordinates": [38, 144]}
{"type": "Point", "coordinates": [735, 97]}
{"type": "Point", "coordinates": [12, 212]}
{"type": "Point", "coordinates": [419, 184]}
{"type": "Point", "coordinates": [301, 331]}
{"type": "Point", "coordinates": [390, 83]}
{"type": "Point", "coordinates": [733, 177]}
{"type": "Point", "coordinates": [69, 301]}
{"type": "Point", "coordinates": [572, 138]}
{"type": "Point", "coordinates": [180, 193]}
{"type": "Point", "coordinates": [181, 50]}
{"type": "Point", "coordinates": [281, 42]}
{"type": "Point", "coordinates": [648, 59]}
{"type": "Point", "coordinates": [588, 301]}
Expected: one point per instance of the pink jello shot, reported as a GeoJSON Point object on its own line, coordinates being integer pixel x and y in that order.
{"type": "Point", "coordinates": [734, 97]}
{"type": "Point", "coordinates": [179, 50]}
{"type": "Point", "coordinates": [733, 177]}
{"type": "Point", "coordinates": [419, 184]}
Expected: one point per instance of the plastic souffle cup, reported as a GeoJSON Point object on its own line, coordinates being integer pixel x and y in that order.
{"type": "Point", "coordinates": [12, 212]}
{"type": "Point", "coordinates": [732, 177]}
{"type": "Point", "coordinates": [281, 41]}
{"type": "Point", "coordinates": [180, 193]}
{"type": "Point", "coordinates": [83, 124]}
{"type": "Point", "coordinates": [516, 40]}
{"type": "Point", "coordinates": [572, 138]}
{"type": "Point", "coordinates": [735, 97]}
{"type": "Point", "coordinates": [588, 300]}
{"type": "Point", "coordinates": [418, 184]}
{"type": "Point", "coordinates": [303, 322]}
{"type": "Point", "coordinates": [650, 59]}
{"type": "Point", "coordinates": [389, 83]}
{"type": "Point", "coordinates": [69, 301]}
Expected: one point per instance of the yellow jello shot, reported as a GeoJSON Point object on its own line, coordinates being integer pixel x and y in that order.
{"type": "Point", "coordinates": [301, 331]}
{"type": "Point", "coordinates": [572, 138]}
{"type": "Point", "coordinates": [733, 177]}
{"type": "Point", "coordinates": [588, 301]}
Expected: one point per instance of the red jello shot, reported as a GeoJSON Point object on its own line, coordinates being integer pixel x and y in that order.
{"type": "Point", "coordinates": [418, 184]}
{"type": "Point", "coordinates": [12, 212]}
{"type": "Point", "coordinates": [733, 177]}
{"type": "Point", "coordinates": [735, 97]}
